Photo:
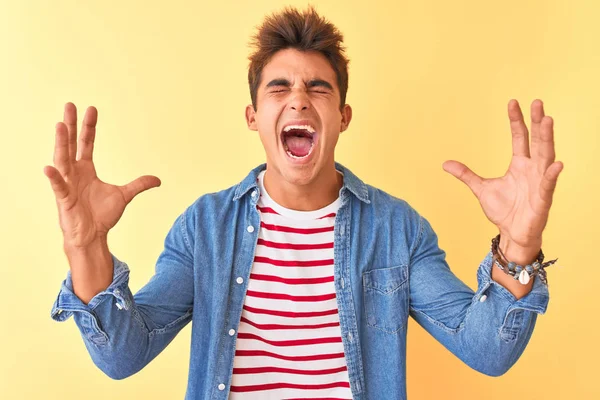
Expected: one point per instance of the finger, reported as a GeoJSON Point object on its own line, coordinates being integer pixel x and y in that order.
{"type": "Point", "coordinates": [537, 113]}
{"type": "Point", "coordinates": [548, 184]}
{"type": "Point", "coordinates": [61, 150]}
{"type": "Point", "coordinates": [70, 120]}
{"type": "Point", "coordinates": [59, 186]}
{"type": "Point", "coordinates": [543, 150]}
{"type": "Point", "coordinates": [139, 185]}
{"type": "Point", "coordinates": [463, 173]}
{"type": "Point", "coordinates": [520, 135]}
{"type": "Point", "coordinates": [88, 134]}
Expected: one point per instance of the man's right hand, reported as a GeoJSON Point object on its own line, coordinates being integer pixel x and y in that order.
{"type": "Point", "coordinates": [87, 207]}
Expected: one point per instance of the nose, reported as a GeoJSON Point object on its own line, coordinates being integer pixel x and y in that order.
{"type": "Point", "coordinates": [299, 101]}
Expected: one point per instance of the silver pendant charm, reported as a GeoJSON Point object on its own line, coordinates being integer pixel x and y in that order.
{"type": "Point", "coordinates": [524, 277]}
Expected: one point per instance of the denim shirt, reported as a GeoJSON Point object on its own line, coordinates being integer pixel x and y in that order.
{"type": "Point", "coordinates": [387, 266]}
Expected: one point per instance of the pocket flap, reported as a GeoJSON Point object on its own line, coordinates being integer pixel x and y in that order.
{"type": "Point", "coordinates": [385, 280]}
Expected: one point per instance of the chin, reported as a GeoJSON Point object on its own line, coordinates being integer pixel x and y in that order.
{"type": "Point", "coordinates": [298, 175]}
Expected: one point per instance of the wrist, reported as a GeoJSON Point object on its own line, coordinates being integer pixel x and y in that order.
{"type": "Point", "coordinates": [91, 268]}
{"type": "Point", "coordinates": [522, 255]}
{"type": "Point", "coordinates": [96, 246]}
{"type": "Point", "coordinates": [521, 272]}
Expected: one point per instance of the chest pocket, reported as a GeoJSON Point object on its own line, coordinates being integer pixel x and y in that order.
{"type": "Point", "coordinates": [386, 295]}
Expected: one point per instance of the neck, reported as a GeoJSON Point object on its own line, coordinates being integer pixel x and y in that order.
{"type": "Point", "coordinates": [322, 191]}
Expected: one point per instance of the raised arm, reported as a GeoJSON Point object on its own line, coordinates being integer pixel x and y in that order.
{"type": "Point", "coordinates": [122, 332]}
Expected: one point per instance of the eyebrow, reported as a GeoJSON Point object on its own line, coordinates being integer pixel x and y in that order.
{"type": "Point", "coordinates": [319, 82]}
{"type": "Point", "coordinates": [310, 84]}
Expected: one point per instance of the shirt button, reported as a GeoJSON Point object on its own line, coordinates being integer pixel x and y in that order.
{"type": "Point", "coordinates": [254, 194]}
{"type": "Point", "coordinates": [231, 332]}
{"type": "Point", "coordinates": [117, 292]}
{"type": "Point", "coordinates": [350, 336]}
{"type": "Point", "coordinates": [483, 298]}
{"type": "Point", "coordinates": [240, 280]}
{"type": "Point", "coordinates": [221, 386]}
{"type": "Point", "coordinates": [342, 230]}
{"type": "Point", "coordinates": [250, 229]}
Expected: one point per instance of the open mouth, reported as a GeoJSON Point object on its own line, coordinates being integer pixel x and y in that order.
{"type": "Point", "coordinates": [298, 140]}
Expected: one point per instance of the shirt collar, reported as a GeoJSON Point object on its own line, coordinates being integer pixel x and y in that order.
{"type": "Point", "coordinates": [351, 183]}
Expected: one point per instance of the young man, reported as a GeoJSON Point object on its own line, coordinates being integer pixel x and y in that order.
{"type": "Point", "coordinates": [301, 278]}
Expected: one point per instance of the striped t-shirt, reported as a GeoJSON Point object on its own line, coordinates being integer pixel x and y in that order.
{"type": "Point", "coordinates": [289, 343]}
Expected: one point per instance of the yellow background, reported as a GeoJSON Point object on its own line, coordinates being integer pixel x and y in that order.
{"type": "Point", "coordinates": [429, 81]}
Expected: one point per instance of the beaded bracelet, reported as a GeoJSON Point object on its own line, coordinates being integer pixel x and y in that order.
{"type": "Point", "coordinates": [521, 273]}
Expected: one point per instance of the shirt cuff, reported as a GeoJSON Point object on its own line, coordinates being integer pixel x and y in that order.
{"type": "Point", "coordinates": [68, 303]}
{"type": "Point", "coordinates": [536, 300]}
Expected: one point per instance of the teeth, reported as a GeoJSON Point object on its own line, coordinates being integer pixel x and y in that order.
{"type": "Point", "coordinates": [296, 157]}
{"type": "Point", "coordinates": [305, 127]}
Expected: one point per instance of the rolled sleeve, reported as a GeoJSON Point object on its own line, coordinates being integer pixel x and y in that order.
{"type": "Point", "coordinates": [535, 301]}
{"type": "Point", "coordinates": [124, 332]}
{"type": "Point", "coordinates": [67, 303]}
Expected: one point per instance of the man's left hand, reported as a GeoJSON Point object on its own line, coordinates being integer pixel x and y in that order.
{"type": "Point", "coordinates": [518, 203]}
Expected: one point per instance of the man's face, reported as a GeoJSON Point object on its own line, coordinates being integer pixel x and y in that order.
{"type": "Point", "coordinates": [298, 115]}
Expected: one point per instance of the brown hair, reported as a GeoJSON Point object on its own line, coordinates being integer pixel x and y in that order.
{"type": "Point", "coordinates": [304, 31]}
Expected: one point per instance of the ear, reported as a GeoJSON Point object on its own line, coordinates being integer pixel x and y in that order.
{"type": "Point", "coordinates": [251, 117]}
{"type": "Point", "coordinates": [346, 117]}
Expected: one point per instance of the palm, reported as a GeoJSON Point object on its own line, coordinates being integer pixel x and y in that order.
{"type": "Point", "coordinates": [518, 203]}
{"type": "Point", "coordinates": [105, 202]}
{"type": "Point", "coordinates": [88, 208]}
{"type": "Point", "coordinates": [92, 206]}
{"type": "Point", "coordinates": [513, 203]}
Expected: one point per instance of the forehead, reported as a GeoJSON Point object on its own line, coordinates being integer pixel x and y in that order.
{"type": "Point", "coordinates": [294, 64]}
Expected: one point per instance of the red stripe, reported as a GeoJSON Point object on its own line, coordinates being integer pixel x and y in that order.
{"type": "Point", "coordinates": [294, 246]}
{"type": "Point", "coordinates": [287, 326]}
{"type": "Point", "coordinates": [291, 281]}
{"type": "Point", "coordinates": [284, 385]}
{"type": "Point", "coordinates": [264, 370]}
{"type": "Point", "coordinates": [268, 210]}
{"type": "Point", "coordinates": [305, 231]}
{"type": "Point", "coordinates": [283, 296]}
{"type": "Point", "coordinates": [293, 263]}
{"type": "Point", "coordinates": [315, 357]}
{"type": "Point", "coordinates": [286, 343]}
{"type": "Point", "coordinates": [328, 216]}
{"type": "Point", "coordinates": [290, 314]}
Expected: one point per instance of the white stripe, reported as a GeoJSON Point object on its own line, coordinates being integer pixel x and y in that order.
{"type": "Point", "coordinates": [290, 306]}
{"type": "Point", "coordinates": [275, 319]}
{"type": "Point", "coordinates": [275, 377]}
{"type": "Point", "coordinates": [291, 334]}
{"type": "Point", "coordinates": [269, 218]}
{"type": "Point", "coordinates": [250, 362]}
{"type": "Point", "coordinates": [292, 272]}
{"type": "Point", "coordinates": [293, 255]}
{"type": "Point", "coordinates": [276, 236]}
{"type": "Point", "coordinates": [322, 348]}
{"type": "Point", "coordinates": [314, 289]}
